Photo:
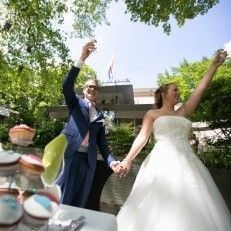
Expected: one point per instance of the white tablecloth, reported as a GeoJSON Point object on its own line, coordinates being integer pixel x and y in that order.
{"type": "Point", "coordinates": [95, 221]}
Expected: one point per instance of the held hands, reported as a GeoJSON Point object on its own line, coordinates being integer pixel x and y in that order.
{"type": "Point", "coordinates": [88, 48]}
{"type": "Point", "coordinates": [117, 169]}
{"type": "Point", "coordinates": [219, 58]}
{"type": "Point", "coordinates": [121, 168]}
{"type": "Point", "coordinates": [126, 166]}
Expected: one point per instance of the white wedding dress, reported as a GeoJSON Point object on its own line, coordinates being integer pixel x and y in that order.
{"type": "Point", "coordinates": [173, 190]}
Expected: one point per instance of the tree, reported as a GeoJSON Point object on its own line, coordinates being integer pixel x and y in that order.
{"type": "Point", "coordinates": [34, 58]}
{"type": "Point", "coordinates": [30, 92]}
{"type": "Point", "coordinates": [32, 32]}
{"type": "Point", "coordinates": [186, 76]}
{"type": "Point", "coordinates": [214, 108]}
{"type": "Point", "coordinates": [155, 12]}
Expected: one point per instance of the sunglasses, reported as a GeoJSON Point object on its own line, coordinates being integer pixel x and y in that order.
{"type": "Point", "coordinates": [92, 87]}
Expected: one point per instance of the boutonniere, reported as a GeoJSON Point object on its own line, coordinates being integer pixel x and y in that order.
{"type": "Point", "coordinates": [102, 121]}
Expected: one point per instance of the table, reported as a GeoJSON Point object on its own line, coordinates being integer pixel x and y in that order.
{"type": "Point", "coordinates": [95, 221]}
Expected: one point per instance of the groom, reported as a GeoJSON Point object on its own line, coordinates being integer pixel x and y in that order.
{"type": "Point", "coordinates": [85, 131]}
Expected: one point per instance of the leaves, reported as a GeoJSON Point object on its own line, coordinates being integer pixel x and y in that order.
{"type": "Point", "coordinates": [214, 108]}
{"type": "Point", "coordinates": [121, 138]}
{"type": "Point", "coordinates": [87, 14]}
{"type": "Point", "coordinates": [33, 31]}
{"type": "Point", "coordinates": [186, 76]}
{"type": "Point", "coordinates": [30, 92]}
{"type": "Point", "coordinates": [159, 12]}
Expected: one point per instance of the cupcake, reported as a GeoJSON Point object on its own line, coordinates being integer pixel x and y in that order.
{"type": "Point", "coordinates": [31, 163]}
{"type": "Point", "coordinates": [12, 214]}
{"type": "Point", "coordinates": [7, 170]}
{"type": "Point", "coordinates": [21, 135]}
{"type": "Point", "coordinates": [38, 210]}
{"type": "Point", "coordinates": [9, 191]}
{"type": "Point", "coordinates": [9, 157]}
{"type": "Point", "coordinates": [53, 193]}
{"type": "Point", "coordinates": [9, 163]}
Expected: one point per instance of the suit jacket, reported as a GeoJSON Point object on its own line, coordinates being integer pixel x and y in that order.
{"type": "Point", "coordinates": [79, 124]}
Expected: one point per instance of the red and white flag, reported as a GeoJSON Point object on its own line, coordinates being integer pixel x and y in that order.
{"type": "Point", "coordinates": [111, 65]}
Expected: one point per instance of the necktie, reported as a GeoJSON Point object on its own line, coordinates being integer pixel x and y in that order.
{"type": "Point", "coordinates": [86, 140]}
{"type": "Point", "coordinates": [92, 112]}
{"type": "Point", "coordinates": [92, 116]}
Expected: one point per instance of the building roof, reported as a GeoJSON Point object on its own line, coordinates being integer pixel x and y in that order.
{"type": "Point", "coordinates": [117, 98]}
{"type": "Point", "coordinates": [118, 94]}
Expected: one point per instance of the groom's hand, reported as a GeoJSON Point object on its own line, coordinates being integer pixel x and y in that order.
{"type": "Point", "coordinates": [88, 48]}
{"type": "Point", "coordinates": [117, 168]}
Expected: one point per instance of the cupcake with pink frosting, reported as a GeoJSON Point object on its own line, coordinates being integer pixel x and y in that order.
{"type": "Point", "coordinates": [31, 163]}
{"type": "Point", "coordinates": [21, 134]}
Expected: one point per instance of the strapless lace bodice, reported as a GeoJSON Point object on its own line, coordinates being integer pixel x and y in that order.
{"type": "Point", "coordinates": [172, 128]}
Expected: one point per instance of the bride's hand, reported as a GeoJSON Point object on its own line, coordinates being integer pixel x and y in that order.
{"type": "Point", "coordinates": [219, 57]}
{"type": "Point", "coordinates": [126, 166]}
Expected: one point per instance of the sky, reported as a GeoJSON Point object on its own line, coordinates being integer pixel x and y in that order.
{"type": "Point", "coordinates": [142, 52]}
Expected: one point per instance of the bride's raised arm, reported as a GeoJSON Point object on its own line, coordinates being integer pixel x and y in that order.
{"type": "Point", "coordinates": [191, 104]}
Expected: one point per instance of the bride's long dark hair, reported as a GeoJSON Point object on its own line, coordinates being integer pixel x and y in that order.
{"type": "Point", "coordinates": [158, 95]}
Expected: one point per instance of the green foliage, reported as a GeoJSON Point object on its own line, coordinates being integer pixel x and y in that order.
{"type": "Point", "coordinates": [121, 139]}
{"type": "Point", "coordinates": [217, 157]}
{"type": "Point", "coordinates": [4, 132]}
{"type": "Point", "coordinates": [47, 130]}
{"type": "Point", "coordinates": [29, 36]}
{"type": "Point", "coordinates": [186, 76]}
{"type": "Point", "coordinates": [155, 12]}
{"type": "Point", "coordinates": [216, 105]}
{"type": "Point", "coordinates": [33, 33]}
{"type": "Point", "coordinates": [86, 73]}
{"type": "Point", "coordinates": [214, 109]}
{"type": "Point", "coordinates": [30, 92]}
{"type": "Point", "coordinates": [87, 14]}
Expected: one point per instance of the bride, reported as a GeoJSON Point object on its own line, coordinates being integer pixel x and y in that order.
{"type": "Point", "coordinates": [173, 190]}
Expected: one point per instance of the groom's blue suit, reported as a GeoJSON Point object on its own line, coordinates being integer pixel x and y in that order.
{"type": "Point", "coordinates": [79, 167]}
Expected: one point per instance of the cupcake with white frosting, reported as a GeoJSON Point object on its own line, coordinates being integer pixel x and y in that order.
{"type": "Point", "coordinates": [11, 212]}
{"type": "Point", "coordinates": [38, 210]}
{"type": "Point", "coordinates": [9, 189]}
{"type": "Point", "coordinates": [9, 163]}
{"type": "Point", "coordinates": [9, 157]}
